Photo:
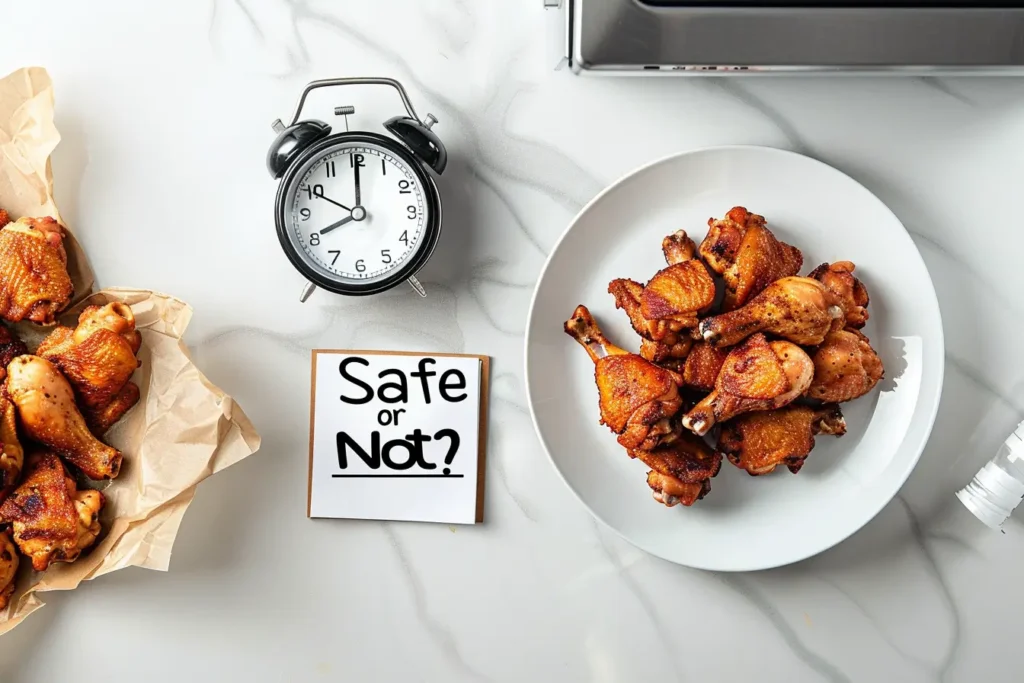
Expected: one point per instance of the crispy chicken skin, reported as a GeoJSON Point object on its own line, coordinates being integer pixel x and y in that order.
{"type": "Point", "coordinates": [636, 397]}
{"type": "Point", "coordinates": [52, 520]}
{"type": "Point", "coordinates": [849, 292]}
{"type": "Point", "coordinates": [98, 359]}
{"type": "Point", "coordinates": [747, 255]}
{"type": "Point", "coordinates": [799, 309]}
{"type": "Point", "coordinates": [845, 367]}
{"type": "Point", "coordinates": [46, 406]}
{"type": "Point", "coordinates": [5, 218]}
{"type": "Point", "coordinates": [681, 470]}
{"type": "Point", "coordinates": [34, 280]}
{"type": "Point", "coordinates": [671, 357]}
{"type": "Point", "coordinates": [702, 366]}
{"type": "Point", "coordinates": [12, 455]}
{"type": "Point", "coordinates": [8, 561]}
{"type": "Point", "coordinates": [759, 442]}
{"type": "Point", "coordinates": [757, 375]}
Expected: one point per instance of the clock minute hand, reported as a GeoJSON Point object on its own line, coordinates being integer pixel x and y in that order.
{"type": "Point", "coordinates": [359, 201]}
{"type": "Point", "coordinates": [338, 224]}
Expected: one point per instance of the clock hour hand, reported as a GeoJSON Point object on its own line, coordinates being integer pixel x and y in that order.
{"type": "Point", "coordinates": [338, 224]}
{"type": "Point", "coordinates": [328, 199]}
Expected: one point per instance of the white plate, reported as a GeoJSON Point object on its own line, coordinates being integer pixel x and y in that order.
{"type": "Point", "coordinates": [745, 522]}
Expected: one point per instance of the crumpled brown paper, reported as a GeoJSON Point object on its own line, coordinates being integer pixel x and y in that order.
{"type": "Point", "coordinates": [183, 429]}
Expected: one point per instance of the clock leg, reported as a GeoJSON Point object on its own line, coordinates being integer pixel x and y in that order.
{"type": "Point", "coordinates": [417, 286]}
{"type": "Point", "coordinates": [307, 291]}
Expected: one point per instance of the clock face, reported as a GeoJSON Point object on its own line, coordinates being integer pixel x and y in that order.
{"type": "Point", "coordinates": [356, 212]}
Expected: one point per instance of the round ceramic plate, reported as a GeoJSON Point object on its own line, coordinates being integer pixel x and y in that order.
{"type": "Point", "coordinates": [745, 522]}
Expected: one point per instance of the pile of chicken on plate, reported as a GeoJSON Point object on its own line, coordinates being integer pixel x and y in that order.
{"type": "Point", "coordinates": [55, 404]}
{"type": "Point", "coordinates": [767, 370]}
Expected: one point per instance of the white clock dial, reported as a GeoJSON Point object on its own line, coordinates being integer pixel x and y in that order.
{"type": "Point", "coordinates": [357, 212]}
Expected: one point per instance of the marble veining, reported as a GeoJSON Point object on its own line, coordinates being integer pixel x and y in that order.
{"type": "Point", "coordinates": [541, 591]}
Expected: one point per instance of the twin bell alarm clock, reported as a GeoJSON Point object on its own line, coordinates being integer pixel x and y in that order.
{"type": "Point", "coordinates": [357, 212]}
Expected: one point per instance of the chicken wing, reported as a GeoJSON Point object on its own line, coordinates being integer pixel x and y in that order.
{"type": "Point", "coordinates": [747, 255]}
{"type": "Point", "coordinates": [681, 470]}
{"type": "Point", "coordinates": [52, 520]}
{"type": "Point", "coordinates": [5, 218]}
{"type": "Point", "coordinates": [848, 292]}
{"type": "Point", "coordinates": [678, 247]}
{"type": "Point", "coordinates": [636, 397]}
{"type": "Point", "coordinates": [49, 415]}
{"type": "Point", "coordinates": [757, 375]}
{"type": "Point", "coordinates": [98, 358]}
{"type": "Point", "coordinates": [12, 455]}
{"type": "Point", "coordinates": [703, 364]}
{"type": "Point", "coordinates": [796, 308]}
{"type": "Point", "coordinates": [34, 280]}
{"type": "Point", "coordinates": [759, 442]}
{"type": "Point", "coordinates": [8, 558]}
{"type": "Point", "coordinates": [668, 305]}
{"type": "Point", "coordinates": [845, 367]}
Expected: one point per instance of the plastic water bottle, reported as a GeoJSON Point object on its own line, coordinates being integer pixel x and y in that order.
{"type": "Point", "coordinates": [998, 487]}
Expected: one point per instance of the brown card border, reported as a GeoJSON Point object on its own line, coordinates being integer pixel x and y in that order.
{"type": "Point", "coordinates": [485, 391]}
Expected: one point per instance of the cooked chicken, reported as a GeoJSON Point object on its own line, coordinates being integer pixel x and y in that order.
{"type": "Point", "coordinates": [49, 415]}
{"type": "Point", "coordinates": [757, 375]}
{"type": "Point", "coordinates": [681, 470]}
{"type": "Point", "coordinates": [98, 358]}
{"type": "Point", "coordinates": [52, 520]}
{"type": "Point", "coordinates": [34, 280]}
{"type": "Point", "coordinates": [678, 247]}
{"type": "Point", "coordinates": [8, 557]}
{"type": "Point", "coordinates": [845, 367]}
{"type": "Point", "coordinates": [703, 364]}
{"type": "Point", "coordinates": [848, 291]}
{"type": "Point", "coordinates": [4, 218]}
{"type": "Point", "coordinates": [796, 308]}
{"type": "Point", "coordinates": [671, 357]}
{"type": "Point", "coordinates": [759, 442]}
{"type": "Point", "coordinates": [10, 346]}
{"type": "Point", "coordinates": [636, 397]}
{"type": "Point", "coordinates": [12, 456]}
{"type": "Point", "coordinates": [668, 305]}
{"type": "Point", "coordinates": [747, 255]}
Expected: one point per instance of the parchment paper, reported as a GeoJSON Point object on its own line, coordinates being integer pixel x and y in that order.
{"type": "Point", "coordinates": [183, 429]}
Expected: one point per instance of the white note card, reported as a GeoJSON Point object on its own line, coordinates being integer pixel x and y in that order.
{"type": "Point", "coordinates": [397, 436]}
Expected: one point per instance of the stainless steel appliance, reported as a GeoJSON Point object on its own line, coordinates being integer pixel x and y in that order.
{"type": "Point", "coordinates": [743, 36]}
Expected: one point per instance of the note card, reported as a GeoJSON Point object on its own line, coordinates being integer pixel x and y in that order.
{"type": "Point", "coordinates": [398, 436]}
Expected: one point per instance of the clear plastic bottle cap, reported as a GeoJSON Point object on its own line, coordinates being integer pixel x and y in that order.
{"type": "Point", "coordinates": [998, 487]}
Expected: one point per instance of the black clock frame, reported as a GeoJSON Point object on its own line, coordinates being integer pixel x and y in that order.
{"type": "Point", "coordinates": [431, 231]}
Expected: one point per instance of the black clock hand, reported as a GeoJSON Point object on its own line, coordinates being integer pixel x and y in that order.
{"type": "Point", "coordinates": [328, 199]}
{"type": "Point", "coordinates": [334, 226]}
{"type": "Point", "coordinates": [359, 201]}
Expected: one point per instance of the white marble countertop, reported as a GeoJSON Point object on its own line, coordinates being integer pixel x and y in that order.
{"type": "Point", "coordinates": [165, 111]}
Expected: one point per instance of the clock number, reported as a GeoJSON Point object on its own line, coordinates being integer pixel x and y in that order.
{"type": "Point", "coordinates": [336, 252]}
{"type": "Point", "coordinates": [360, 266]}
{"type": "Point", "coordinates": [404, 237]}
{"type": "Point", "coordinates": [314, 191]}
{"type": "Point", "coordinates": [314, 239]}
{"type": "Point", "coordinates": [357, 160]}
{"type": "Point", "coordinates": [305, 213]}
{"type": "Point", "coordinates": [331, 173]}
{"type": "Point", "coordinates": [412, 212]}
{"type": "Point", "coordinates": [385, 255]}
{"type": "Point", "coordinates": [403, 187]}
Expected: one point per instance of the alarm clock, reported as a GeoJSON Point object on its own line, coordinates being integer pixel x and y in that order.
{"type": "Point", "coordinates": [357, 212]}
